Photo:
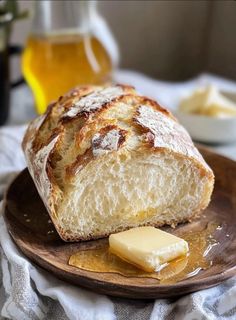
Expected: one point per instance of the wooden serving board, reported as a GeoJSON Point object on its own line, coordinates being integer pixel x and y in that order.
{"type": "Point", "coordinates": [30, 228]}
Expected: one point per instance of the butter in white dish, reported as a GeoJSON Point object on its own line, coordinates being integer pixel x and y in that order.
{"type": "Point", "coordinates": [147, 248]}
{"type": "Point", "coordinates": [208, 101]}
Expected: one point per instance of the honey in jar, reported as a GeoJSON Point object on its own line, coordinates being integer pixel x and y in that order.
{"type": "Point", "coordinates": [53, 64]}
{"type": "Point", "coordinates": [66, 48]}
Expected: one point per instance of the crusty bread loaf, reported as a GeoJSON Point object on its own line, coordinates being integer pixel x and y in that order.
{"type": "Point", "coordinates": [105, 159]}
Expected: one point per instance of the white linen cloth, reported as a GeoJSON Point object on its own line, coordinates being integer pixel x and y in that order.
{"type": "Point", "coordinates": [28, 292]}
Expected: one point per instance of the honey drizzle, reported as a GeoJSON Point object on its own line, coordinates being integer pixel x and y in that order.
{"type": "Point", "coordinates": [200, 246]}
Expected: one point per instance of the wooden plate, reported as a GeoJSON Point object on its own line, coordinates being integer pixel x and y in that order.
{"type": "Point", "coordinates": [40, 242]}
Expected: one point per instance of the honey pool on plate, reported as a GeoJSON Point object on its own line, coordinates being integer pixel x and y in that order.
{"type": "Point", "coordinates": [99, 259]}
{"type": "Point", "coordinates": [200, 244]}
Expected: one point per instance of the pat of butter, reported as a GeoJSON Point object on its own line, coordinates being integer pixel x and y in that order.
{"type": "Point", "coordinates": [147, 247]}
{"type": "Point", "coordinates": [208, 101]}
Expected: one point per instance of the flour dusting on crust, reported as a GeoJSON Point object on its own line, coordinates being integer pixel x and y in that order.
{"type": "Point", "coordinates": [40, 172]}
{"type": "Point", "coordinates": [165, 132]}
{"type": "Point", "coordinates": [40, 162]}
{"type": "Point", "coordinates": [110, 141]}
{"type": "Point", "coordinates": [33, 129]}
{"type": "Point", "coordinates": [94, 101]}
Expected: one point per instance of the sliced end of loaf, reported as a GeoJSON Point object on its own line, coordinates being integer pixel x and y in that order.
{"type": "Point", "coordinates": [122, 191]}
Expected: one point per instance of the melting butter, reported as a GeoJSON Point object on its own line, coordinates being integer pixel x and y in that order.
{"type": "Point", "coordinates": [147, 247]}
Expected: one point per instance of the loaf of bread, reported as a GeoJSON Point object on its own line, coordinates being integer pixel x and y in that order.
{"type": "Point", "coordinates": [106, 159]}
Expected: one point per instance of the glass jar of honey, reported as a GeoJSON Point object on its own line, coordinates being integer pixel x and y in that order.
{"type": "Point", "coordinates": [69, 45]}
